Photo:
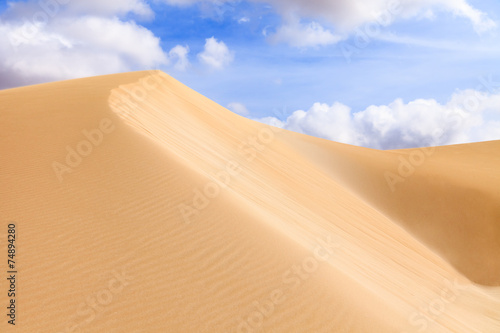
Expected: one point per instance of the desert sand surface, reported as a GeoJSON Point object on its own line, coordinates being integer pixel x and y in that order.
{"type": "Point", "coordinates": [141, 206]}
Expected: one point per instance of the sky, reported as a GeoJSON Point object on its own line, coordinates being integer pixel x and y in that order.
{"type": "Point", "coordinates": [383, 74]}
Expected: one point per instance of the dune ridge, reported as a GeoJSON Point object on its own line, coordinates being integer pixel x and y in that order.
{"type": "Point", "coordinates": [177, 215]}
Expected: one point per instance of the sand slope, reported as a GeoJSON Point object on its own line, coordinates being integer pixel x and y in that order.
{"type": "Point", "coordinates": [142, 206]}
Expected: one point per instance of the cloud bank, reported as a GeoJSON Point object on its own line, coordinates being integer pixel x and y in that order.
{"type": "Point", "coordinates": [469, 115]}
{"type": "Point", "coordinates": [50, 40]}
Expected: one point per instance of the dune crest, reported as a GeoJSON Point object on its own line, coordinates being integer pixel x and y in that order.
{"type": "Point", "coordinates": [143, 206]}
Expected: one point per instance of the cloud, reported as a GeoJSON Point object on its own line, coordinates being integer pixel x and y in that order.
{"type": "Point", "coordinates": [238, 108]}
{"type": "Point", "coordinates": [48, 40]}
{"type": "Point", "coordinates": [76, 47]}
{"type": "Point", "coordinates": [481, 22]}
{"type": "Point", "coordinates": [216, 54]}
{"type": "Point", "coordinates": [300, 35]}
{"type": "Point", "coordinates": [345, 16]}
{"type": "Point", "coordinates": [45, 41]}
{"type": "Point", "coordinates": [110, 7]}
{"type": "Point", "coordinates": [468, 116]}
{"type": "Point", "coordinates": [349, 14]}
{"type": "Point", "coordinates": [54, 8]}
{"type": "Point", "coordinates": [179, 54]}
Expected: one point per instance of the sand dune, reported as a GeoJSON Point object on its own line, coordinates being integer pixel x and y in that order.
{"type": "Point", "coordinates": [142, 206]}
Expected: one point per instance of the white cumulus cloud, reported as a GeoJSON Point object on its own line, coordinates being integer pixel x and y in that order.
{"type": "Point", "coordinates": [54, 8]}
{"type": "Point", "coordinates": [216, 54]}
{"type": "Point", "coordinates": [43, 41]}
{"type": "Point", "coordinates": [179, 54]}
{"type": "Point", "coordinates": [243, 20]}
{"type": "Point", "coordinates": [468, 116]}
{"type": "Point", "coordinates": [301, 35]}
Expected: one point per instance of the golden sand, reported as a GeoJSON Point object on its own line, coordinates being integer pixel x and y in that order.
{"type": "Point", "coordinates": [141, 206]}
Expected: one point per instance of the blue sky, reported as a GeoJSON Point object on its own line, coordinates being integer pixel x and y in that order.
{"type": "Point", "coordinates": [276, 58]}
{"type": "Point", "coordinates": [265, 77]}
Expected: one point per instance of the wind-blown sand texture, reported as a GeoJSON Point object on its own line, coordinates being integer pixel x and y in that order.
{"type": "Point", "coordinates": [142, 206]}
